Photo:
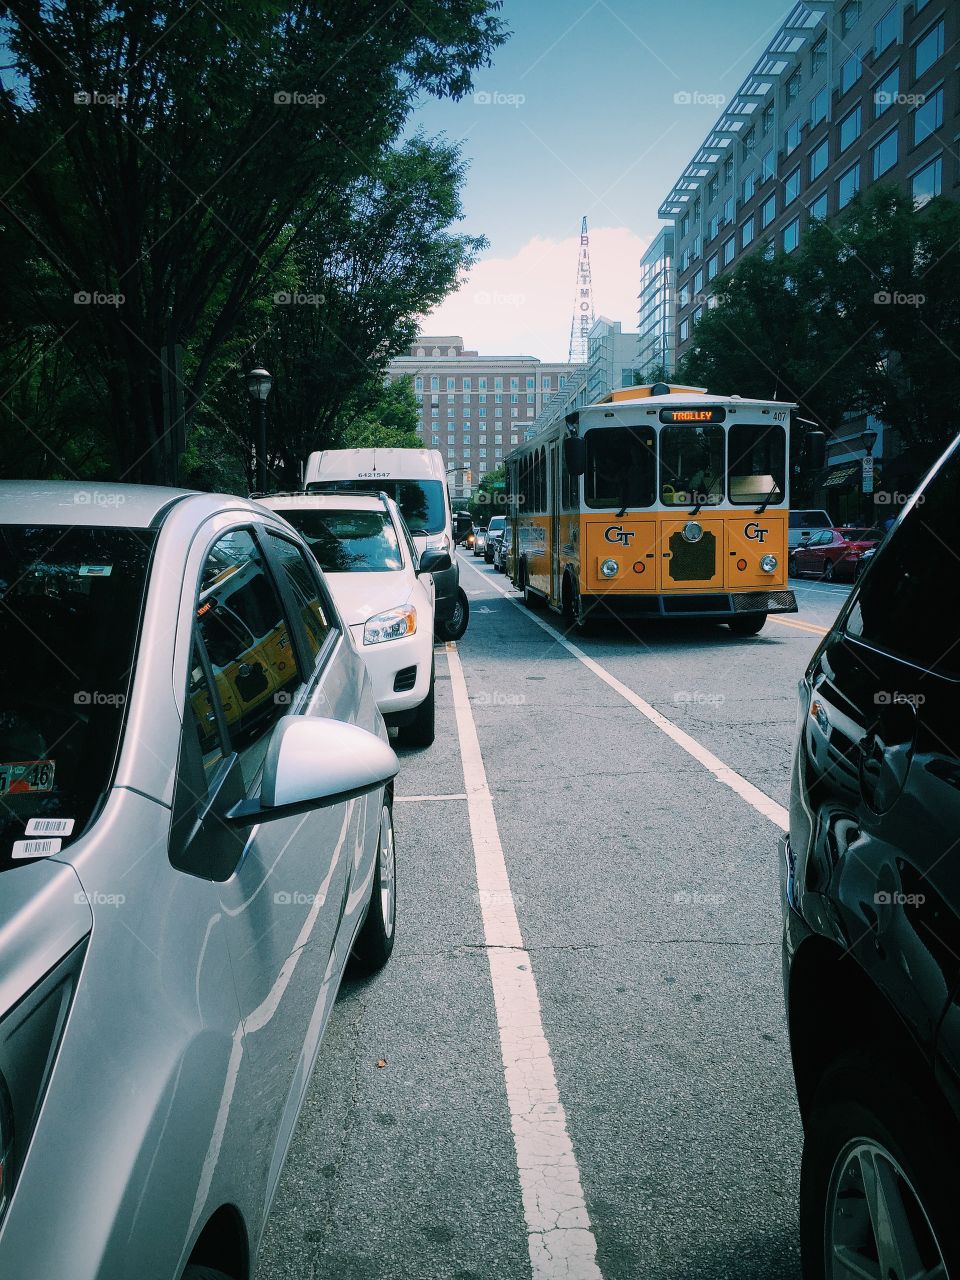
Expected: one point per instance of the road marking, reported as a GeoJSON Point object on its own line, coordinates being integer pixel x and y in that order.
{"type": "Point", "coordinates": [459, 795]}
{"type": "Point", "coordinates": [798, 625]}
{"type": "Point", "coordinates": [559, 1236]}
{"type": "Point", "coordinates": [756, 798]}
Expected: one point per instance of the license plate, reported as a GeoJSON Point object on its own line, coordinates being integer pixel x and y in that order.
{"type": "Point", "coordinates": [25, 777]}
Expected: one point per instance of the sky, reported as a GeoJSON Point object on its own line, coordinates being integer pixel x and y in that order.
{"type": "Point", "coordinates": [592, 107]}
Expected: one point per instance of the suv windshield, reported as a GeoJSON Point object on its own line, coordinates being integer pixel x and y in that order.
{"type": "Point", "coordinates": [421, 502]}
{"type": "Point", "coordinates": [757, 463]}
{"type": "Point", "coordinates": [621, 467]}
{"type": "Point", "coordinates": [691, 466]}
{"type": "Point", "coordinates": [70, 606]}
{"type": "Point", "coordinates": [348, 541]}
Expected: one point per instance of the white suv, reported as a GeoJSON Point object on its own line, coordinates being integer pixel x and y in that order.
{"type": "Point", "coordinates": [384, 591]}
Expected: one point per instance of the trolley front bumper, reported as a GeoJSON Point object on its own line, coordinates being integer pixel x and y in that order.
{"type": "Point", "coordinates": [719, 605]}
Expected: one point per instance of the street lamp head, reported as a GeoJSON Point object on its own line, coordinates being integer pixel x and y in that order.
{"type": "Point", "coordinates": [259, 383]}
{"type": "Point", "coordinates": [869, 439]}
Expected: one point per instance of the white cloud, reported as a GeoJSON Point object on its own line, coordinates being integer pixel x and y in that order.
{"type": "Point", "coordinates": [522, 305]}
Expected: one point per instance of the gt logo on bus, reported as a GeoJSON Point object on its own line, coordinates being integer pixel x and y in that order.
{"type": "Point", "coordinates": [754, 532]}
{"type": "Point", "coordinates": [617, 533]}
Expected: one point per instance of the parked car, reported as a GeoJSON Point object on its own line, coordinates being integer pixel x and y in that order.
{"type": "Point", "coordinates": [501, 551]}
{"type": "Point", "coordinates": [833, 554]}
{"type": "Point", "coordinates": [872, 912]}
{"type": "Point", "coordinates": [804, 523]}
{"type": "Point", "coordinates": [384, 591]}
{"type": "Point", "coordinates": [864, 562]}
{"type": "Point", "coordinates": [494, 532]}
{"type": "Point", "coordinates": [479, 541]}
{"type": "Point", "coordinates": [196, 832]}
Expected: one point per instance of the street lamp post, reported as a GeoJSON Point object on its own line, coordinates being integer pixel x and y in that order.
{"type": "Point", "coordinates": [259, 384]}
{"type": "Point", "coordinates": [868, 439]}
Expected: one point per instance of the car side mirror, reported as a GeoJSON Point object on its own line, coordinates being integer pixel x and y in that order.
{"type": "Point", "coordinates": [312, 762]}
{"type": "Point", "coordinates": [815, 450]}
{"type": "Point", "coordinates": [435, 562]}
{"type": "Point", "coordinates": [575, 455]}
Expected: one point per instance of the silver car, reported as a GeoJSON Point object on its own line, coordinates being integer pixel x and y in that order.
{"type": "Point", "coordinates": [195, 834]}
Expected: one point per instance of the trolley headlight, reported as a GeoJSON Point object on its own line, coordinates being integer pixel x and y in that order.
{"type": "Point", "coordinates": [609, 568]}
{"type": "Point", "coordinates": [693, 531]}
{"type": "Point", "coordinates": [393, 624]}
{"type": "Point", "coordinates": [768, 564]}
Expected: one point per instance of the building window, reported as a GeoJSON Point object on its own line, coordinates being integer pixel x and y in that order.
{"type": "Point", "coordinates": [698, 282]}
{"type": "Point", "coordinates": [514, 398]}
{"type": "Point", "coordinates": [769, 166]}
{"type": "Point", "coordinates": [418, 384]}
{"type": "Point", "coordinates": [928, 118]}
{"type": "Point", "coordinates": [850, 71]}
{"type": "Point", "coordinates": [482, 384]}
{"type": "Point", "coordinates": [695, 318]}
{"type": "Point", "coordinates": [791, 236]}
{"type": "Point", "coordinates": [848, 184]}
{"type": "Point", "coordinates": [729, 249]}
{"type": "Point", "coordinates": [498, 453]}
{"type": "Point", "coordinates": [685, 225]}
{"type": "Point", "coordinates": [768, 211]}
{"type": "Point", "coordinates": [435, 440]}
{"type": "Point", "coordinates": [791, 139]}
{"type": "Point", "coordinates": [747, 232]}
{"type": "Point", "coordinates": [818, 207]}
{"type": "Point", "coordinates": [850, 128]}
{"type": "Point", "coordinates": [697, 247]}
{"type": "Point", "coordinates": [531, 399]}
{"type": "Point", "coordinates": [819, 159]}
{"type": "Point", "coordinates": [713, 227]}
{"type": "Point", "coordinates": [451, 399]}
{"type": "Point", "coordinates": [713, 188]}
{"type": "Point", "coordinates": [546, 382]}
{"type": "Point", "coordinates": [481, 412]}
{"type": "Point", "coordinates": [531, 383]}
{"type": "Point", "coordinates": [886, 92]}
{"type": "Point", "coordinates": [885, 31]}
{"type": "Point", "coordinates": [434, 413]}
{"type": "Point", "coordinates": [791, 187]}
{"type": "Point", "coordinates": [766, 119]}
{"type": "Point", "coordinates": [466, 439]}
{"type": "Point", "coordinates": [728, 169]}
{"type": "Point", "coordinates": [451, 384]}
{"type": "Point", "coordinates": [513, 439]}
{"type": "Point", "coordinates": [818, 54]}
{"type": "Point", "coordinates": [498, 398]}
{"type": "Point", "coordinates": [749, 186]}
{"type": "Point", "coordinates": [818, 108]}
{"type": "Point", "coordinates": [498, 439]}
{"type": "Point", "coordinates": [928, 182]}
{"type": "Point", "coordinates": [684, 330]}
{"type": "Point", "coordinates": [885, 154]}
{"type": "Point", "coordinates": [514, 384]}
{"type": "Point", "coordinates": [514, 413]}
{"type": "Point", "coordinates": [713, 266]}
{"type": "Point", "coordinates": [498, 413]}
{"type": "Point", "coordinates": [728, 209]}
{"type": "Point", "coordinates": [498, 384]}
{"type": "Point", "coordinates": [850, 16]}
{"type": "Point", "coordinates": [929, 49]}
{"type": "Point", "coordinates": [434, 384]}
{"type": "Point", "coordinates": [792, 88]}
{"type": "Point", "coordinates": [482, 451]}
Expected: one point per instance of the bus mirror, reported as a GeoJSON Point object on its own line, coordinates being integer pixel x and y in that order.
{"type": "Point", "coordinates": [575, 455]}
{"type": "Point", "coordinates": [815, 448]}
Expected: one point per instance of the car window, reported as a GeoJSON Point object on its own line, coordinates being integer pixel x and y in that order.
{"type": "Point", "coordinates": [900, 606]}
{"type": "Point", "coordinates": [243, 628]}
{"type": "Point", "coordinates": [71, 603]}
{"type": "Point", "coordinates": [412, 552]}
{"type": "Point", "coordinates": [302, 581]}
{"type": "Point", "coordinates": [348, 541]}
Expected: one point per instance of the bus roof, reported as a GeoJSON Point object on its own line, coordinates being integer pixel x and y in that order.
{"type": "Point", "coordinates": [375, 464]}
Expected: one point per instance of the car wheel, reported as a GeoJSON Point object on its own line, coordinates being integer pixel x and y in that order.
{"type": "Point", "coordinates": [872, 1201]}
{"type": "Point", "coordinates": [792, 571]}
{"type": "Point", "coordinates": [456, 624]}
{"type": "Point", "coordinates": [530, 598]}
{"type": "Point", "coordinates": [747, 624]}
{"type": "Point", "coordinates": [374, 943]}
{"type": "Point", "coordinates": [828, 571]}
{"type": "Point", "coordinates": [421, 730]}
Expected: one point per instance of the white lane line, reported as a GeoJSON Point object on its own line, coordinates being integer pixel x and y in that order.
{"type": "Point", "coordinates": [722, 772]}
{"type": "Point", "coordinates": [458, 795]}
{"type": "Point", "coordinates": [559, 1235]}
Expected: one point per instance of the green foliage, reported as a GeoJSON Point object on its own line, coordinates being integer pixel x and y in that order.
{"type": "Point", "coordinates": [487, 497]}
{"type": "Point", "coordinates": [387, 420]}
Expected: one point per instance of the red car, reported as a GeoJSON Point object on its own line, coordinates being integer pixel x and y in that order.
{"type": "Point", "coordinates": [832, 554]}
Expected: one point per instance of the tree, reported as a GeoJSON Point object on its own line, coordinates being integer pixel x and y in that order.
{"type": "Point", "coordinates": [387, 415]}
{"type": "Point", "coordinates": [487, 498]}
{"type": "Point", "coordinates": [165, 162]}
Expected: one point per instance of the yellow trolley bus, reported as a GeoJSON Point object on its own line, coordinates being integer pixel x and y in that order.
{"type": "Point", "coordinates": [658, 501]}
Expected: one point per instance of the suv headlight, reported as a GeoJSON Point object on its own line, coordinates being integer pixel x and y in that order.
{"type": "Point", "coordinates": [768, 564]}
{"type": "Point", "coordinates": [393, 624]}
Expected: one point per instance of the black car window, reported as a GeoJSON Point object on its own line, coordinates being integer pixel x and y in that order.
{"type": "Point", "coordinates": [71, 603]}
{"type": "Point", "coordinates": [247, 638]}
{"type": "Point", "coordinates": [621, 467]}
{"type": "Point", "coordinates": [905, 603]}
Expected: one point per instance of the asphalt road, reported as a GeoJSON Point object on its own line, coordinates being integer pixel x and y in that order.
{"type": "Point", "coordinates": [631, 936]}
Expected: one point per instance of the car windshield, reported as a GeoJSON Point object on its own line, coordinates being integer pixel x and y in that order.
{"type": "Point", "coordinates": [349, 541]}
{"type": "Point", "coordinates": [691, 466]}
{"type": "Point", "coordinates": [496, 524]}
{"type": "Point", "coordinates": [71, 600]}
{"type": "Point", "coordinates": [756, 463]}
{"type": "Point", "coordinates": [421, 502]}
{"type": "Point", "coordinates": [621, 467]}
{"type": "Point", "coordinates": [809, 520]}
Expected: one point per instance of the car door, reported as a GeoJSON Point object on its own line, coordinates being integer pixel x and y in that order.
{"type": "Point", "coordinates": [263, 627]}
{"type": "Point", "coordinates": [886, 716]}
{"type": "Point", "coordinates": [804, 554]}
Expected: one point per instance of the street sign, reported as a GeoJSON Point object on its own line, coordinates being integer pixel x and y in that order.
{"type": "Point", "coordinates": [868, 474]}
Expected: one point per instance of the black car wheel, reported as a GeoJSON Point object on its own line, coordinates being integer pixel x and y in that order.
{"type": "Point", "coordinates": [456, 624]}
{"type": "Point", "coordinates": [875, 1197]}
{"type": "Point", "coordinates": [374, 944]}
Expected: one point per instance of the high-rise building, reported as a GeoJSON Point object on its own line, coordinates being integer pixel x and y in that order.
{"type": "Point", "coordinates": [656, 311]}
{"type": "Point", "coordinates": [475, 408]}
{"type": "Point", "coordinates": [611, 358]}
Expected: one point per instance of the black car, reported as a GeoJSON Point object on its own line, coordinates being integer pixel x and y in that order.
{"type": "Point", "coordinates": [494, 532]}
{"type": "Point", "coordinates": [872, 912]}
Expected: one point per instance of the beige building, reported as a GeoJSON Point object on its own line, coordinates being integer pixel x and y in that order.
{"type": "Point", "coordinates": [475, 408]}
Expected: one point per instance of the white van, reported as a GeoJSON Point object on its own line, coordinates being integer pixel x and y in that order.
{"type": "Point", "coordinates": [416, 479]}
{"type": "Point", "coordinates": [804, 523]}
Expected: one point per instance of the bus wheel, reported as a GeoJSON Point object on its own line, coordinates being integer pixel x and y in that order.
{"type": "Point", "coordinates": [747, 624]}
{"type": "Point", "coordinates": [530, 599]}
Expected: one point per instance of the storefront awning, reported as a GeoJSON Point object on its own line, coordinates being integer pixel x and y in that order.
{"type": "Point", "coordinates": [846, 474]}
